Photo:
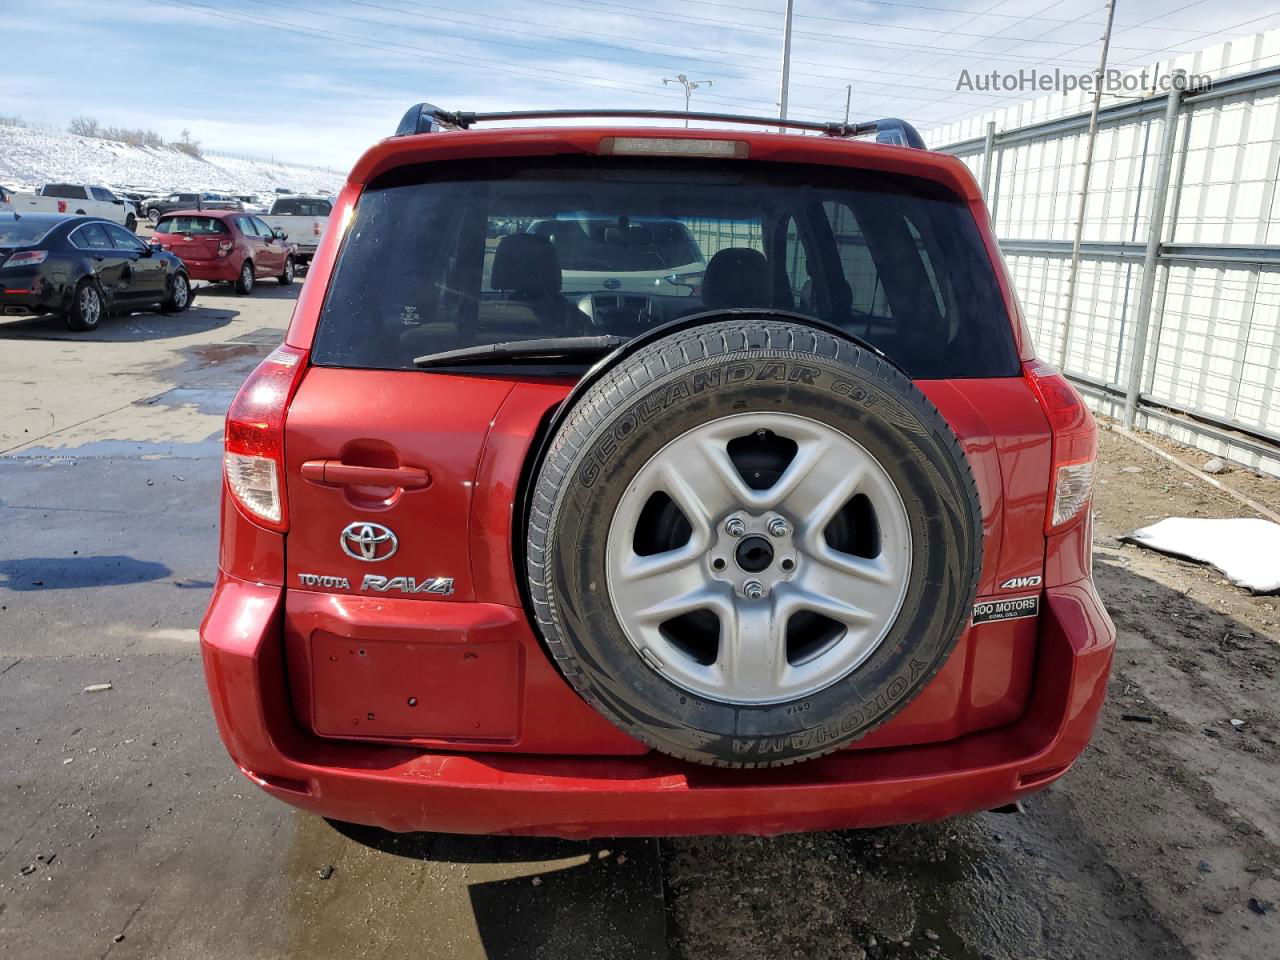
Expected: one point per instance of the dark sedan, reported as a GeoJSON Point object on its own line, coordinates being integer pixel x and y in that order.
{"type": "Point", "coordinates": [82, 268]}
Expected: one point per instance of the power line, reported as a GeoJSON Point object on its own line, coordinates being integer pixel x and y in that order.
{"type": "Point", "coordinates": [994, 36]}
{"type": "Point", "coordinates": [917, 6]}
{"type": "Point", "coordinates": [1169, 49]}
{"type": "Point", "coordinates": [842, 39]}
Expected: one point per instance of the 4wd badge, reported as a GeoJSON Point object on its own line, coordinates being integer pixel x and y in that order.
{"type": "Point", "coordinates": [1021, 583]}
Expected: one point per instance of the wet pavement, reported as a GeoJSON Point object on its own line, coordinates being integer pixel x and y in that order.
{"type": "Point", "coordinates": [125, 832]}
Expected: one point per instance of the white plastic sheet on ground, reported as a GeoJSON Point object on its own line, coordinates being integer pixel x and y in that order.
{"type": "Point", "coordinates": [1245, 549]}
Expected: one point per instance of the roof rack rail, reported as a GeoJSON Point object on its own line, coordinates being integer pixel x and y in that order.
{"type": "Point", "coordinates": [428, 118]}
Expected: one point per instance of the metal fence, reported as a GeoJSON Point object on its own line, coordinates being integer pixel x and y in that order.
{"type": "Point", "coordinates": [1208, 329]}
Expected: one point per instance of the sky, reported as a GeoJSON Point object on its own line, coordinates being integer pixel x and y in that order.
{"type": "Point", "coordinates": [317, 81]}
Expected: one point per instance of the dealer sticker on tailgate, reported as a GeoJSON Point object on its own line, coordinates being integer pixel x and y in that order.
{"type": "Point", "coordinates": [1014, 608]}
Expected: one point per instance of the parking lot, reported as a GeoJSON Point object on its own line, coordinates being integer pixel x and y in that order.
{"type": "Point", "coordinates": [125, 831]}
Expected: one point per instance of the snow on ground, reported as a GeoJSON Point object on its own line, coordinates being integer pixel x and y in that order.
{"type": "Point", "coordinates": [1246, 549]}
{"type": "Point", "coordinates": [29, 158]}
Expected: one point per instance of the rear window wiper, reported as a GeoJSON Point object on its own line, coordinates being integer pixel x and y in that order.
{"type": "Point", "coordinates": [549, 348]}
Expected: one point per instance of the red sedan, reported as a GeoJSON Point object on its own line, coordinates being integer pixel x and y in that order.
{"type": "Point", "coordinates": [227, 246]}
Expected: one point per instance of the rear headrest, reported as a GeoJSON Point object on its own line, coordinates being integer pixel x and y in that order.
{"type": "Point", "coordinates": [736, 277]}
{"type": "Point", "coordinates": [526, 263]}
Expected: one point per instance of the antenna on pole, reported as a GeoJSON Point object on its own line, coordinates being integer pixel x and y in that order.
{"type": "Point", "coordinates": [689, 87]}
{"type": "Point", "coordinates": [848, 96]}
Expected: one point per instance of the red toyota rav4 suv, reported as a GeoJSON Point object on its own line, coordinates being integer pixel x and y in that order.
{"type": "Point", "coordinates": [627, 480]}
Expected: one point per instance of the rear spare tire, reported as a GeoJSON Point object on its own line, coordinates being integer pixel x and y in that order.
{"type": "Point", "coordinates": [752, 541]}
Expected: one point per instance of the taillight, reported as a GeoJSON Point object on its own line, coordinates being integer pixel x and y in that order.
{"type": "Point", "coordinates": [224, 247]}
{"type": "Point", "coordinates": [26, 258]}
{"type": "Point", "coordinates": [315, 228]}
{"type": "Point", "coordinates": [253, 458]}
{"type": "Point", "coordinates": [1075, 444]}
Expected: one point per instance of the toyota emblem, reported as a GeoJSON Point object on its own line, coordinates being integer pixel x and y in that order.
{"type": "Point", "coordinates": [369, 542]}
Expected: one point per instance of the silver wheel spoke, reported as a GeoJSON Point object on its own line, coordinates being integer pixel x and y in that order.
{"type": "Point", "coordinates": [753, 650]}
{"type": "Point", "coordinates": [702, 480]}
{"type": "Point", "coordinates": [663, 586]}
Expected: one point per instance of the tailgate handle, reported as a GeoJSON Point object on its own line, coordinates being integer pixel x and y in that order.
{"type": "Point", "coordinates": [338, 474]}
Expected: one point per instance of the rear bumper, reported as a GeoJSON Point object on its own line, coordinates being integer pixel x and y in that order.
{"type": "Point", "coordinates": [24, 296]}
{"type": "Point", "coordinates": [222, 270]}
{"type": "Point", "coordinates": [402, 788]}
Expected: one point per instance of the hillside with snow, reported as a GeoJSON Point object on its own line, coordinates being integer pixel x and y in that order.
{"type": "Point", "coordinates": [31, 157]}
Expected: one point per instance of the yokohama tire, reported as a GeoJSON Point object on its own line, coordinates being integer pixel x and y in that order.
{"type": "Point", "coordinates": [752, 370]}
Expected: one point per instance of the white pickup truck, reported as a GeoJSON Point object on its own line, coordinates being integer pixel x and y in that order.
{"type": "Point", "coordinates": [77, 198]}
{"type": "Point", "coordinates": [303, 220]}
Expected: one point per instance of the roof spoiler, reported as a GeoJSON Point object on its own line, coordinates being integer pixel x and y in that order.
{"type": "Point", "coordinates": [428, 118]}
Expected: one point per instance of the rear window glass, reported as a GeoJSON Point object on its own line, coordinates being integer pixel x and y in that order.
{"type": "Point", "coordinates": [196, 226]}
{"type": "Point", "coordinates": [450, 256]}
{"type": "Point", "coordinates": [20, 232]}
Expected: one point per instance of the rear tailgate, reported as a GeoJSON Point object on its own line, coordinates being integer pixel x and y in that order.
{"type": "Point", "coordinates": [193, 238]}
{"type": "Point", "coordinates": [414, 264]}
{"type": "Point", "coordinates": [303, 231]}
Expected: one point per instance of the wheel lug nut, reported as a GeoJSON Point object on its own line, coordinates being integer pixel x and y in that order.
{"type": "Point", "coordinates": [753, 589]}
{"type": "Point", "coordinates": [735, 527]}
{"type": "Point", "coordinates": [778, 527]}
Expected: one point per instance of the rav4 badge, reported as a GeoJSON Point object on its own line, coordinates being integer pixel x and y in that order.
{"type": "Point", "coordinates": [441, 586]}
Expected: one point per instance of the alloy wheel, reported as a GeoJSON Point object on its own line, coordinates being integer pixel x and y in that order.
{"type": "Point", "coordinates": [758, 558]}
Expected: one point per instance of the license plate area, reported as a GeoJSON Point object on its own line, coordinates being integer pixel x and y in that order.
{"type": "Point", "coordinates": [395, 688]}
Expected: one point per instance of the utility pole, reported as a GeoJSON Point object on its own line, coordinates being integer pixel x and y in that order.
{"type": "Point", "coordinates": [1150, 261]}
{"type": "Point", "coordinates": [786, 63]}
{"type": "Point", "coordinates": [1073, 275]}
{"type": "Point", "coordinates": [689, 87]}
{"type": "Point", "coordinates": [848, 96]}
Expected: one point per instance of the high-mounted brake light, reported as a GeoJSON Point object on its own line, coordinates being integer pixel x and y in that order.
{"type": "Point", "coordinates": [26, 258]}
{"type": "Point", "coordinates": [1075, 444]}
{"type": "Point", "coordinates": [674, 147]}
{"type": "Point", "coordinates": [253, 458]}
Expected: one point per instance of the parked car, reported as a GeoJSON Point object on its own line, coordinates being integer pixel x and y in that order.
{"type": "Point", "coordinates": [303, 220]}
{"type": "Point", "coordinates": [489, 566]}
{"type": "Point", "coordinates": [607, 258]}
{"type": "Point", "coordinates": [158, 206]}
{"type": "Point", "coordinates": [134, 198]}
{"type": "Point", "coordinates": [228, 247]}
{"type": "Point", "coordinates": [84, 268]}
{"type": "Point", "coordinates": [78, 199]}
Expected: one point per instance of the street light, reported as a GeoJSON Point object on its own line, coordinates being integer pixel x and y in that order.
{"type": "Point", "coordinates": [689, 87]}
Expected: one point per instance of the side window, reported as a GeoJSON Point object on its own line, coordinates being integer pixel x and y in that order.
{"type": "Point", "coordinates": [191, 198]}
{"type": "Point", "coordinates": [925, 259]}
{"type": "Point", "coordinates": [104, 195]}
{"type": "Point", "coordinates": [66, 191]}
{"type": "Point", "coordinates": [263, 229]}
{"type": "Point", "coordinates": [245, 225]}
{"type": "Point", "coordinates": [91, 237]}
{"type": "Point", "coordinates": [285, 208]}
{"type": "Point", "coordinates": [796, 264]}
{"type": "Point", "coordinates": [322, 208]}
{"type": "Point", "coordinates": [856, 262]}
{"type": "Point", "coordinates": [710, 235]}
{"type": "Point", "coordinates": [122, 239]}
